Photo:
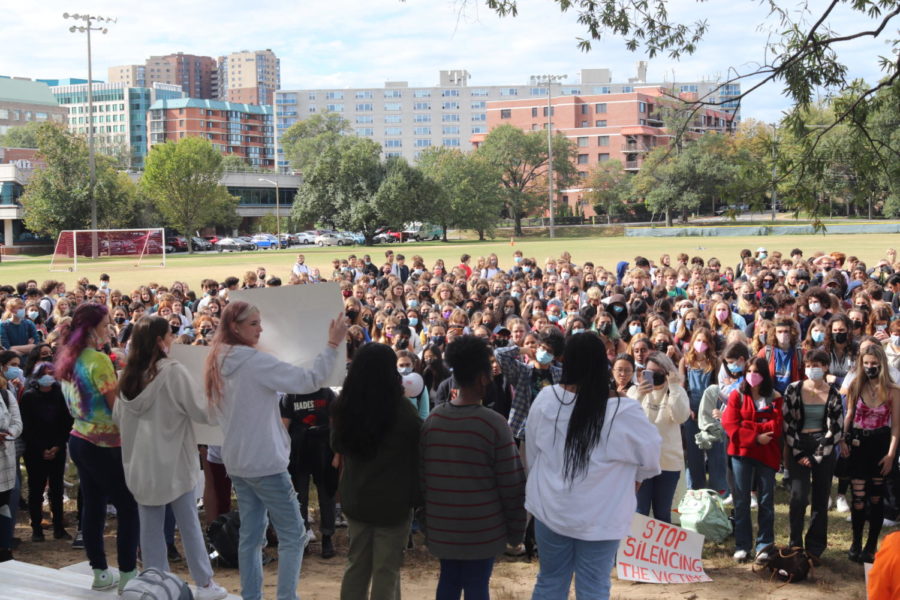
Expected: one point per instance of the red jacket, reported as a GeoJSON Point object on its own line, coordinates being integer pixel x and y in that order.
{"type": "Point", "coordinates": [743, 423]}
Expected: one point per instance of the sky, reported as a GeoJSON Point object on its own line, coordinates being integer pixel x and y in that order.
{"type": "Point", "coordinates": [363, 43]}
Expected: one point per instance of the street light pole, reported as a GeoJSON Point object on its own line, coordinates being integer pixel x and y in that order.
{"type": "Point", "coordinates": [277, 207]}
{"type": "Point", "coordinates": [87, 28]}
{"type": "Point", "coordinates": [549, 80]}
{"type": "Point", "coordinates": [774, 168]}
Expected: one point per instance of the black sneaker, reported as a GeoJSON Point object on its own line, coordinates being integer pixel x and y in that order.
{"type": "Point", "coordinates": [5, 555]}
{"type": "Point", "coordinates": [37, 536]}
{"type": "Point", "coordinates": [78, 542]}
{"type": "Point", "coordinates": [61, 534]}
{"type": "Point", "coordinates": [327, 547]}
{"type": "Point", "coordinates": [173, 554]}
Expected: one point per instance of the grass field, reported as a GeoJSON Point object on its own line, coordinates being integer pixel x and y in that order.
{"type": "Point", "coordinates": [605, 251]}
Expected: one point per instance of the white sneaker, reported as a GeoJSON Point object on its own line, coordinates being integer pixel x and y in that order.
{"type": "Point", "coordinates": [754, 503]}
{"type": "Point", "coordinates": [890, 523]}
{"type": "Point", "coordinates": [211, 591]}
{"type": "Point", "coordinates": [762, 557]}
{"type": "Point", "coordinates": [728, 500]}
{"type": "Point", "coordinates": [841, 504]}
{"type": "Point", "coordinates": [310, 536]}
{"type": "Point", "coordinates": [740, 555]}
{"type": "Point", "coordinates": [849, 519]}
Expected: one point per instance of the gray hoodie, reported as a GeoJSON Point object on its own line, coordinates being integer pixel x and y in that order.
{"type": "Point", "coordinates": [159, 449]}
{"type": "Point", "coordinates": [256, 442]}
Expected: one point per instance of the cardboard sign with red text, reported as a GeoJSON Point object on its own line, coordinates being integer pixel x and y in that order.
{"type": "Point", "coordinates": [657, 552]}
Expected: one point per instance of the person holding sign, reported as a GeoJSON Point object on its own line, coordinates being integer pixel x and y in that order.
{"type": "Point", "coordinates": [753, 422]}
{"type": "Point", "coordinates": [157, 403]}
{"type": "Point", "coordinates": [243, 385]}
{"type": "Point", "coordinates": [584, 444]}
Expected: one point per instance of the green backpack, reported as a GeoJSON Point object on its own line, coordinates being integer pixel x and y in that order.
{"type": "Point", "coordinates": [704, 512]}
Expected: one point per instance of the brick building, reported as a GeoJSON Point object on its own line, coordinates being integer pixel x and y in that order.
{"type": "Point", "coordinates": [197, 75]}
{"type": "Point", "coordinates": [602, 127]}
{"type": "Point", "coordinates": [243, 130]}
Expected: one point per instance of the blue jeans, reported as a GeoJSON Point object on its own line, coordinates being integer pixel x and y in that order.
{"type": "Point", "coordinates": [273, 494]}
{"type": "Point", "coordinates": [743, 483]}
{"type": "Point", "coordinates": [470, 576]}
{"type": "Point", "coordinates": [103, 480]}
{"type": "Point", "coordinates": [658, 492]}
{"type": "Point", "coordinates": [561, 556]}
{"type": "Point", "coordinates": [700, 461]}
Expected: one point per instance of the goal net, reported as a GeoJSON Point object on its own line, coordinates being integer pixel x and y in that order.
{"type": "Point", "coordinates": [87, 248]}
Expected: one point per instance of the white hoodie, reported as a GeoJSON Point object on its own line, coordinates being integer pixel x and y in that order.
{"type": "Point", "coordinates": [159, 450]}
{"type": "Point", "coordinates": [256, 441]}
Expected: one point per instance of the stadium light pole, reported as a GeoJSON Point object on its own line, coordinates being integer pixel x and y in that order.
{"type": "Point", "coordinates": [774, 169]}
{"type": "Point", "coordinates": [549, 80]}
{"type": "Point", "coordinates": [87, 28]}
{"type": "Point", "coordinates": [277, 207]}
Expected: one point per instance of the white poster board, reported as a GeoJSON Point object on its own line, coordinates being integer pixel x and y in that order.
{"type": "Point", "coordinates": [295, 321]}
{"type": "Point", "coordinates": [657, 552]}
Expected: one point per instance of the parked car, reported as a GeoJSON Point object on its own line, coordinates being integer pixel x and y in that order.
{"type": "Point", "coordinates": [349, 238]}
{"type": "Point", "coordinates": [247, 240]}
{"type": "Point", "coordinates": [200, 244]}
{"type": "Point", "coordinates": [288, 239]}
{"type": "Point", "coordinates": [385, 236]}
{"type": "Point", "coordinates": [265, 241]}
{"type": "Point", "coordinates": [330, 239]}
{"type": "Point", "coordinates": [234, 244]}
{"type": "Point", "coordinates": [732, 208]}
{"type": "Point", "coordinates": [306, 237]}
{"type": "Point", "coordinates": [178, 242]}
{"type": "Point", "coordinates": [358, 238]}
{"type": "Point", "coordinates": [422, 231]}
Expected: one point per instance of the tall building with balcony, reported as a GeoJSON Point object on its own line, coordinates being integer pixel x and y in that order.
{"type": "Point", "coordinates": [243, 130]}
{"type": "Point", "coordinates": [197, 75]}
{"type": "Point", "coordinates": [249, 77]}
{"type": "Point", "coordinates": [407, 119]}
{"type": "Point", "coordinates": [622, 126]}
{"type": "Point", "coordinates": [120, 116]}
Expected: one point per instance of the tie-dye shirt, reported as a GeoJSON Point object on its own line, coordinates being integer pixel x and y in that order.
{"type": "Point", "coordinates": [92, 377]}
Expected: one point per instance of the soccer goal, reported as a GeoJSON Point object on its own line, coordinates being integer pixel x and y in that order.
{"type": "Point", "coordinates": [86, 248]}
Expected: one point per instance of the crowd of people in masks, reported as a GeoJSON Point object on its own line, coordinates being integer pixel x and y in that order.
{"type": "Point", "coordinates": [556, 399]}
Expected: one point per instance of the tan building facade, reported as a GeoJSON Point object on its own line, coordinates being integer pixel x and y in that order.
{"type": "Point", "coordinates": [249, 77]}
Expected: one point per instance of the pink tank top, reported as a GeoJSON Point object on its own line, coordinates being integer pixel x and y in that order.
{"type": "Point", "coordinates": [872, 418]}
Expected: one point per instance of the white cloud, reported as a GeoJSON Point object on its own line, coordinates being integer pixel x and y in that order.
{"type": "Point", "coordinates": [360, 43]}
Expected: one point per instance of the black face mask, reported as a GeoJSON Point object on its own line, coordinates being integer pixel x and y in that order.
{"type": "Point", "coordinates": [119, 320]}
{"type": "Point", "coordinates": [352, 314]}
{"type": "Point", "coordinates": [501, 342]}
{"type": "Point", "coordinates": [749, 297]}
{"type": "Point", "coordinates": [872, 372]}
{"type": "Point", "coordinates": [205, 331]}
{"type": "Point", "coordinates": [768, 315]}
{"type": "Point", "coordinates": [367, 320]}
{"type": "Point", "coordinates": [175, 329]}
{"type": "Point", "coordinates": [840, 338]}
{"type": "Point", "coordinates": [604, 328]}
{"type": "Point", "coordinates": [662, 346]}
{"type": "Point", "coordinates": [857, 324]}
{"type": "Point", "coordinates": [658, 378]}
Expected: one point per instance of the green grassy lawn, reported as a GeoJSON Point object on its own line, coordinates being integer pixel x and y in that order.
{"type": "Point", "coordinates": [605, 251]}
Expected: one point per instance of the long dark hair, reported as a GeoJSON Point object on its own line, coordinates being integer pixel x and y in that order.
{"type": "Point", "coordinates": [367, 406]}
{"type": "Point", "coordinates": [85, 320]}
{"type": "Point", "coordinates": [585, 367]}
{"type": "Point", "coordinates": [141, 367]}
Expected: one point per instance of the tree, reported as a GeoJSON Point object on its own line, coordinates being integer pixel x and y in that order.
{"type": "Point", "coordinates": [232, 163]}
{"type": "Point", "coordinates": [469, 195]}
{"type": "Point", "coordinates": [609, 186]}
{"type": "Point", "coordinates": [521, 160]}
{"type": "Point", "coordinates": [24, 136]}
{"type": "Point", "coordinates": [182, 177]}
{"type": "Point", "coordinates": [306, 140]}
{"type": "Point", "coordinates": [58, 196]}
{"type": "Point", "coordinates": [340, 185]}
{"type": "Point", "coordinates": [404, 195]}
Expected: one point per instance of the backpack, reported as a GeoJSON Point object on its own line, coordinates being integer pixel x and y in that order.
{"type": "Point", "coordinates": [790, 564]}
{"type": "Point", "coordinates": [704, 512]}
{"type": "Point", "coordinates": [153, 584]}
{"type": "Point", "coordinates": [225, 538]}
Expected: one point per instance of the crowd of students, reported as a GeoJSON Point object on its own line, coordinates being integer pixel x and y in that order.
{"type": "Point", "coordinates": [554, 397]}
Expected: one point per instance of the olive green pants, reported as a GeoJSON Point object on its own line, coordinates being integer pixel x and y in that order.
{"type": "Point", "coordinates": [376, 554]}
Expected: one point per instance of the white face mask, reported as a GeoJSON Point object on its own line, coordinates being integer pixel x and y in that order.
{"type": "Point", "coordinates": [815, 373]}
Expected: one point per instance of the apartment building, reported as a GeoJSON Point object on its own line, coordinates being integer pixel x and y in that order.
{"type": "Point", "coordinates": [603, 127]}
{"type": "Point", "coordinates": [23, 101]}
{"type": "Point", "coordinates": [407, 119]}
{"type": "Point", "coordinates": [243, 130]}
{"type": "Point", "coordinates": [119, 118]}
{"type": "Point", "coordinates": [197, 75]}
{"type": "Point", "coordinates": [249, 77]}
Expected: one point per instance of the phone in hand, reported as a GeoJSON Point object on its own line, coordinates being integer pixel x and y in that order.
{"type": "Point", "coordinates": [647, 374]}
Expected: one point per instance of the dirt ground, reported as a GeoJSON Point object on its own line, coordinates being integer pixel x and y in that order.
{"type": "Point", "coordinates": [513, 578]}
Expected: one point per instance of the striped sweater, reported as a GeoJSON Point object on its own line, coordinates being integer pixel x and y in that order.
{"type": "Point", "coordinates": [474, 483]}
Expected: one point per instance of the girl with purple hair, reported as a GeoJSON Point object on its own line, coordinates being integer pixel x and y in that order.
{"type": "Point", "coordinates": [89, 385]}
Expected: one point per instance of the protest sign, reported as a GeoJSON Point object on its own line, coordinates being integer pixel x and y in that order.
{"type": "Point", "coordinates": [658, 552]}
{"type": "Point", "coordinates": [295, 321]}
